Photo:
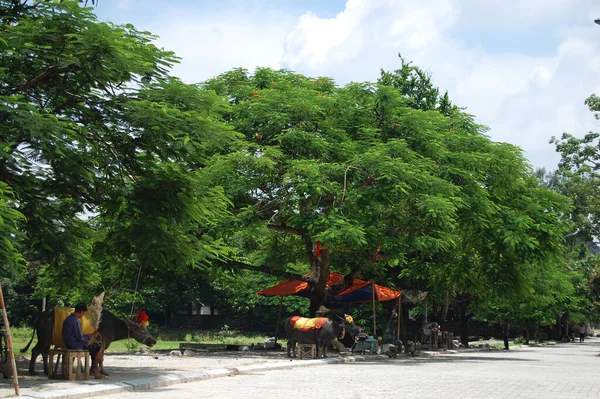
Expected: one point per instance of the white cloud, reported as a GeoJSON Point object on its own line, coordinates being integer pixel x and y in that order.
{"type": "Point", "coordinates": [492, 14]}
{"type": "Point", "coordinates": [524, 97]}
{"type": "Point", "coordinates": [540, 76]}
{"type": "Point", "coordinates": [363, 26]}
{"type": "Point", "coordinates": [313, 37]}
{"type": "Point", "coordinates": [523, 68]}
{"type": "Point", "coordinates": [210, 44]}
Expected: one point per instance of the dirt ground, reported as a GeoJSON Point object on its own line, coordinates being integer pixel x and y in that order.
{"type": "Point", "coordinates": [125, 367]}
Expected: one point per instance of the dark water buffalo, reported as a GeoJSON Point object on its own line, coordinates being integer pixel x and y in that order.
{"type": "Point", "coordinates": [111, 329]}
{"type": "Point", "coordinates": [322, 337]}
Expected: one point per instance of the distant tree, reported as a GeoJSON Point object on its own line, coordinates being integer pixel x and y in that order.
{"type": "Point", "coordinates": [578, 177]}
{"type": "Point", "coordinates": [579, 169]}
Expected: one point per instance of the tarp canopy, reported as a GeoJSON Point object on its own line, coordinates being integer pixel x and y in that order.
{"type": "Point", "coordinates": [359, 291]}
{"type": "Point", "coordinates": [362, 291]}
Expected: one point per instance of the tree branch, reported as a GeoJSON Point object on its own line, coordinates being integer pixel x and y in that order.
{"type": "Point", "coordinates": [284, 229]}
{"type": "Point", "coordinates": [48, 73]}
{"type": "Point", "coordinates": [265, 269]}
{"type": "Point", "coordinates": [331, 290]}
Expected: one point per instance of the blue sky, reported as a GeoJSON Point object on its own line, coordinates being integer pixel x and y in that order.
{"type": "Point", "coordinates": [524, 68]}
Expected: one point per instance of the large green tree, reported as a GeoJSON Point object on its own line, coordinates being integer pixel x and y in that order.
{"type": "Point", "coordinates": [112, 171]}
{"type": "Point", "coordinates": [367, 178]}
{"type": "Point", "coordinates": [101, 150]}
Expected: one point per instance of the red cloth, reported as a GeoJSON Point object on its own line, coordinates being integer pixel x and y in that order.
{"type": "Point", "coordinates": [307, 324]}
{"type": "Point", "coordinates": [293, 287]}
{"type": "Point", "coordinates": [298, 287]}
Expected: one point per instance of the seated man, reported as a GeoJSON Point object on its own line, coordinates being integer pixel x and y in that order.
{"type": "Point", "coordinates": [74, 339]}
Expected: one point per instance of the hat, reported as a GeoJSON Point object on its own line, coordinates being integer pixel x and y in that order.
{"type": "Point", "coordinates": [322, 310]}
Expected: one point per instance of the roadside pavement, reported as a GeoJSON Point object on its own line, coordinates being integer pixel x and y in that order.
{"type": "Point", "coordinates": [562, 371]}
{"type": "Point", "coordinates": [136, 372]}
{"type": "Point", "coordinates": [154, 370]}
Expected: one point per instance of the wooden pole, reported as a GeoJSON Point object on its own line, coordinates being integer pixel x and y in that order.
{"type": "Point", "coordinates": [389, 323]}
{"type": "Point", "coordinates": [399, 316]}
{"type": "Point", "coordinates": [279, 317]}
{"type": "Point", "coordinates": [9, 342]}
{"type": "Point", "coordinates": [374, 316]}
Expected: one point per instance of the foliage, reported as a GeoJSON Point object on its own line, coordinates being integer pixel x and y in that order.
{"type": "Point", "coordinates": [579, 171]}
{"type": "Point", "coordinates": [550, 291]}
{"type": "Point", "coordinates": [167, 339]}
{"type": "Point", "coordinates": [10, 219]}
{"type": "Point", "coordinates": [416, 85]}
{"type": "Point", "coordinates": [100, 170]}
{"type": "Point", "coordinates": [132, 346]}
{"type": "Point", "coordinates": [577, 177]}
{"type": "Point", "coordinates": [117, 177]}
{"type": "Point", "coordinates": [387, 181]}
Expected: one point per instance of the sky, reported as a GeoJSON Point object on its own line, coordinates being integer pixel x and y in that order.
{"type": "Point", "coordinates": [523, 67]}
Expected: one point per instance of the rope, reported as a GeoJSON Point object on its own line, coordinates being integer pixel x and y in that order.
{"type": "Point", "coordinates": [135, 291]}
{"type": "Point", "coordinates": [97, 340]}
{"type": "Point", "coordinates": [4, 343]}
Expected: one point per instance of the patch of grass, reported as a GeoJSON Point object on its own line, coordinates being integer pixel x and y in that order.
{"type": "Point", "coordinates": [20, 337]}
{"type": "Point", "coordinates": [124, 346]}
{"type": "Point", "coordinates": [167, 339]}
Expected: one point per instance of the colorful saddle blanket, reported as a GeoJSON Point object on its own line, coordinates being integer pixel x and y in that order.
{"type": "Point", "coordinates": [60, 314]}
{"type": "Point", "coordinates": [306, 324]}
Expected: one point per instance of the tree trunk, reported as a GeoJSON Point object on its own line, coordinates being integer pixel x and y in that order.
{"type": "Point", "coordinates": [319, 292]}
{"type": "Point", "coordinates": [463, 326]}
{"type": "Point", "coordinates": [565, 324]}
{"type": "Point", "coordinates": [445, 308]}
{"type": "Point", "coordinates": [522, 328]}
{"type": "Point", "coordinates": [403, 329]}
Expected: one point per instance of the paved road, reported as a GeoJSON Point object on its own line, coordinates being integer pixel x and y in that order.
{"type": "Point", "coordinates": [559, 371]}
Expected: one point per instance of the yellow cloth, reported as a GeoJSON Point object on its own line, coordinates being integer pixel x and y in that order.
{"type": "Point", "coordinates": [60, 314]}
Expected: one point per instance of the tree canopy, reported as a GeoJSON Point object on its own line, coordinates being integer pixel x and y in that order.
{"type": "Point", "coordinates": [366, 178]}
{"type": "Point", "coordinates": [101, 148]}
{"type": "Point", "coordinates": [113, 172]}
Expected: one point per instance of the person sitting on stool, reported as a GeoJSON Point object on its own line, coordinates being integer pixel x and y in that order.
{"type": "Point", "coordinates": [74, 339]}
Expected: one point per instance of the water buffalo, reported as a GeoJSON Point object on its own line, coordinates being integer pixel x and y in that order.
{"type": "Point", "coordinates": [327, 331]}
{"type": "Point", "coordinates": [111, 329]}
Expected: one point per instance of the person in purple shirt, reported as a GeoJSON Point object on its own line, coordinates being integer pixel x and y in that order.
{"type": "Point", "coordinates": [75, 339]}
